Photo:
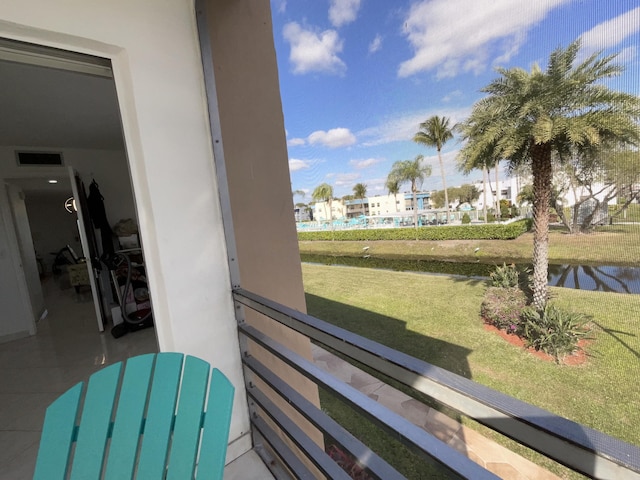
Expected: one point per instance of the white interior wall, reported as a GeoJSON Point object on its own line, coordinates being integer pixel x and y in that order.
{"type": "Point", "coordinates": [16, 314]}
{"type": "Point", "coordinates": [25, 246]}
{"type": "Point", "coordinates": [158, 74]}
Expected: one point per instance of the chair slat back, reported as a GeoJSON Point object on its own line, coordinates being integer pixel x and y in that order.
{"type": "Point", "coordinates": [58, 435]}
{"type": "Point", "coordinates": [215, 430]}
{"type": "Point", "coordinates": [186, 432]}
{"type": "Point", "coordinates": [159, 426]}
{"type": "Point", "coordinates": [129, 420]}
{"type": "Point", "coordinates": [93, 431]}
{"type": "Point", "coordinates": [160, 412]}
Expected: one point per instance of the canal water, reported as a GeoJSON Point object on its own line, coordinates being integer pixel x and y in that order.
{"type": "Point", "coordinates": [606, 278]}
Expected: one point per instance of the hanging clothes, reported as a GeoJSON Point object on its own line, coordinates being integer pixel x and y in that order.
{"type": "Point", "coordinates": [98, 214]}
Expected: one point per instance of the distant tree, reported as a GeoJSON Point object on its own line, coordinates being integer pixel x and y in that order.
{"type": "Point", "coordinates": [595, 181]}
{"type": "Point", "coordinates": [525, 195]}
{"type": "Point", "coordinates": [324, 193]}
{"type": "Point", "coordinates": [539, 117]}
{"type": "Point", "coordinates": [467, 164]}
{"type": "Point", "coordinates": [468, 193]}
{"type": "Point", "coordinates": [437, 199]}
{"type": "Point", "coordinates": [414, 172]}
{"type": "Point", "coordinates": [393, 187]}
{"type": "Point", "coordinates": [435, 132]}
{"type": "Point", "coordinates": [360, 192]}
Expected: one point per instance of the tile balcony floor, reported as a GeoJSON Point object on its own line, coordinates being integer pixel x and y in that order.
{"type": "Point", "coordinates": [67, 349]}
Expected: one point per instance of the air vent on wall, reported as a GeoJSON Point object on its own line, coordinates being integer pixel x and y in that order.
{"type": "Point", "coordinates": [39, 158]}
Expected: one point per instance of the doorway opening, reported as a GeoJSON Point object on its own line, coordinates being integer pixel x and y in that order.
{"type": "Point", "coordinates": [64, 104]}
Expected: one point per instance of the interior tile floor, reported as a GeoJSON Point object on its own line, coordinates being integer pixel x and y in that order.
{"type": "Point", "coordinates": [67, 349]}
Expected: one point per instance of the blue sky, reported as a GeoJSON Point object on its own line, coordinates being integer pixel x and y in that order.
{"type": "Point", "coordinates": [358, 76]}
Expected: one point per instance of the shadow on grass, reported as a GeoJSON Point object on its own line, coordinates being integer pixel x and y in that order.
{"type": "Point", "coordinates": [393, 333]}
{"type": "Point", "coordinates": [617, 334]}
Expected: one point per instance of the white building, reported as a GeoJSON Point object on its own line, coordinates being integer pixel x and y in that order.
{"type": "Point", "coordinates": [373, 206]}
{"type": "Point", "coordinates": [321, 210]}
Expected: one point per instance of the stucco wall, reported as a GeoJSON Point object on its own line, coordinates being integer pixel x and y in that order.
{"type": "Point", "coordinates": [158, 75]}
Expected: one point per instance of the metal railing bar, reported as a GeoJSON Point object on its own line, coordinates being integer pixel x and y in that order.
{"type": "Point", "coordinates": [313, 452]}
{"type": "Point", "coordinates": [377, 467]}
{"type": "Point", "coordinates": [424, 444]}
{"type": "Point", "coordinates": [576, 446]}
{"type": "Point", "coordinates": [282, 450]}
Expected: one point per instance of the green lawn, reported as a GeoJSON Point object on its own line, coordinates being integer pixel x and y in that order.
{"type": "Point", "coordinates": [610, 245]}
{"type": "Point", "coordinates": [435, 318]}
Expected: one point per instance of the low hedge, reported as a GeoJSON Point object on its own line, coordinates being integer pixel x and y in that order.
{"type": "Point", "coordinates": [453, 232]}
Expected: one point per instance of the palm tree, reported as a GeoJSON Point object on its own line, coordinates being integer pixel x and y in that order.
{"type": "Point", "coordinates": [538, 117]}
{"type": "Point", "coordinates": [324, 193]}
{"type": "Point", "coordinates": [410, 171]}
{"type": "Point", "coordinates": [435, 132]}
{"type": "Point", "coordinates": [394, 188]}
{"type": "Point", "coordinates": [466, 165]}
{"type": "Point", "coordinates": [360, 191]}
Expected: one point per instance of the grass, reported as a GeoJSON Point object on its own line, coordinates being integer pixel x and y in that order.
{"type": "Point", "coordinates": [609, 245]}
{"type": "Point", "coordinates": [435, 318]}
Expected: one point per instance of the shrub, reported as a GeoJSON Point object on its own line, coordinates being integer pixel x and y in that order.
{"type": "Point", "coordinates": [553, 330]}
{"type": "Point", "coordinates": [466, 219]}
{"type": "Point", "coordinates": [502, 308]}
{"type": "Point", "coordinates": [508, 276]}
{"type": "Point", "coordinates": [452, 232]}
{"type": "Point", "coordinates": [491, 217]}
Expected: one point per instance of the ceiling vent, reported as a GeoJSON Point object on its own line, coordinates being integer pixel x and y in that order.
{"type": "Point", "coordinates": [39, 159]}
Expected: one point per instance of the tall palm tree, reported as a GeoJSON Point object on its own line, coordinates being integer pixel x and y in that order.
{"type": "Point", "coordinates": [412, 171]}
{"type": "Point", "coordinates": [393, 187]}
{"type": "Point", "coordinates": [324, 193]}
{"type": "Point", "coordinates": [538, 117]}
{"type": "Point", "coordinates": [435, 132]}
{"type": "Point", "coordinates": [360, 191]}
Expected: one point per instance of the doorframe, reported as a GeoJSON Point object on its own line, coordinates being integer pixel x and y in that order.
{"type": "Point", "coordinates": [101, 60]}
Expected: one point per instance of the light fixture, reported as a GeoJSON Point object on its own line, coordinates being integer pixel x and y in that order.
{"type": "Point", "coordinates": [53, 181]}
{"type": "Point", "coordinates": [70, 205]}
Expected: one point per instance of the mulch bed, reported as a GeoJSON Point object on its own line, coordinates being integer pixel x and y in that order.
{"type": "Point", "coordinates": [579, 357]}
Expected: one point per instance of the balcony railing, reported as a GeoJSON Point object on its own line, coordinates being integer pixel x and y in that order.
{"type": "Point", "coordinates": [579, 448]}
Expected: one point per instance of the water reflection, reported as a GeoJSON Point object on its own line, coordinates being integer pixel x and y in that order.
{"type": "Point", "coordinates": [604, 278]}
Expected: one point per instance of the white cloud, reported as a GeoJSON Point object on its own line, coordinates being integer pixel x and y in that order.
{"type": "Point", "coordinates": [366, 163]}
{"type": "Point", "coordinates": [342, 12]}
{"type": "Point", "coordinates": [279, 5]}
{"type": "Point", "coordinates": [345, 179]}
{"type": "Point", "coordinates": [312, 51]}
{"type": "Point", "coordinates": [295, 142]}
{"type": "Point", "coordinates": [612, 33]}
{"type": "Point", "coordinates": [375, 44]}
{"type": "Point", "coordinates": [482, 29]}
{"type": "Point", "coordinates": [452, 96]}
{"type": "Point", "coordinates": [403, 127]}
{"type": "Point", "coordinates": [296, 164]}
{"type": "Point", "coordinates": [334, 138]}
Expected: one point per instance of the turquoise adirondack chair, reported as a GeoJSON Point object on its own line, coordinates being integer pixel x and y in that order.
{"type": "Point", "coordinates": [148, 437]}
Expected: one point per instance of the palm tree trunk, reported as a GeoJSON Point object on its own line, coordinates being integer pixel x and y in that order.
{"type": "Point", "coordinates": [484, 193]}
{"type": "Point", "coordinates": [444, 185]}
{"type": "Point", "coordinates": [415, 210]}
{"type": "Point", "coordinates": [498, 214]}
{"type": "Point", "coordinates": [541, 168]}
